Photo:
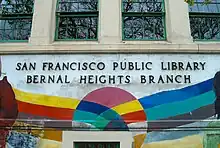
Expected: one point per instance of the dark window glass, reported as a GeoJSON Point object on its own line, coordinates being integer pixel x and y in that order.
{"type": "Point", "coordinates": [77, 20]}
{"type": "Point", "coordinates": [143, 20]}
{"type": "Point", "coordinates": [15, 19]}
{"type": "Point", "coordinates": [205, 20]}
{"type": "Point", "coordinates": [97, 145]}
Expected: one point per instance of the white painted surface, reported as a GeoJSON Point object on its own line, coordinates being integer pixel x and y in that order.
{"type": "Point", "coordinates": [77, 90]}
{"type": "Point", "coordinates": [69, 137]}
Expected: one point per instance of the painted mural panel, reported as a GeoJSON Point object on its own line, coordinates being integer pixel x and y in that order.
{"type": "Point", "coordinates": [165, 100]}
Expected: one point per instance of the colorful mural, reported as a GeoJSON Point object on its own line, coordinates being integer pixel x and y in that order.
{"type": "Point", "coordinates": [9, 109]}
{"type": "Point", "coordinates": [156, 119]}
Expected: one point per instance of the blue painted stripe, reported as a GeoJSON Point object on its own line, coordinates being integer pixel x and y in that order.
{"type": "Point", "coordinates": [176, 95]}
{"type": "Point", "coordinates": [91, 107]}
{"type": "Point", "coordinates": [181, 107]}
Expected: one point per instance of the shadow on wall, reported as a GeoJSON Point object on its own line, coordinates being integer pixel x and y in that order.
{"type": "Point", "coordinates": [216, 88]}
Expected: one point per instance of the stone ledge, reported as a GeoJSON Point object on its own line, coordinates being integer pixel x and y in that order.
{"type": "Point", "coordinates": [26, 48]}
{"type": "Point", "coordinates": [98, 48]}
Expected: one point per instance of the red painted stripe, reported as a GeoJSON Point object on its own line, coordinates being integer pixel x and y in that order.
{"type": "Point", "coordinates": [138, 116]}
{"type": "Point", "coordinates": [50, 112]}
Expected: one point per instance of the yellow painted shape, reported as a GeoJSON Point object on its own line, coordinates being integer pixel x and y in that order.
{"type": "Point", "coordinates": [219, 146]}
{"type": "Point", "coordinates": [139, 140]}
{"type": "Point", "coordinates": [22, 124]}
{"type": "Point", "coordinates": [128, 107]}
{"type": "Point", "coordinates": [195, 141]}
{"type": "Point", "coordinates": [45, 100]}
{"type": "Point", "coordinates": [44, 143]}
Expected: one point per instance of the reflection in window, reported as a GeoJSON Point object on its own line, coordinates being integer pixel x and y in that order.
{"type": "Point", "coordinates": [205, 20]}
{"type": "Point", "coordinates": [77, 20]}
{"type": "Point", "coordinates": [143, 20]}
{"type": "Point", "coordinates": [15, 19]}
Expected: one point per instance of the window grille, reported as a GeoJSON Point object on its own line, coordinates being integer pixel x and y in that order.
{"type": "Point", "coordinates": [77, 20]}
{"type": "Point", "coordinates": [143, 20]}
{"type": "Point", "coordinates": [205, 20]}
{"type": "Point", "coordinates": [15, 20]}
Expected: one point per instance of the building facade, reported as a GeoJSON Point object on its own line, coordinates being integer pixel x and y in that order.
{"type": "Point", "coordinates": [109, 74]}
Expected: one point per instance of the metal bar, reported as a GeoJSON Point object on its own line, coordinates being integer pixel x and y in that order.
{"type": "Point", "coordinates": [204, 14]}
{"type": "Point", "coordinates": [143, 14]}
{"type": "Point", "coordinates": [9, 17]}
{"type": "Point", "coordinates": [93, 13]}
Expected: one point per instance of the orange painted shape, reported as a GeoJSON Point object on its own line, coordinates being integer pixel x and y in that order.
{"type": "Point", "coordinates": [138, 116]}
{"type": "Point", "coordinates": [53, 135]}
{"type": "Point", "coordinates": [139, 140]}
{"type": "Point", "coordinates": [45, 111]}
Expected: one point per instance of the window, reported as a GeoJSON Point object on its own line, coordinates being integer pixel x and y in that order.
{"type": "Point", "coordinates": [97, 144]}
{"type": "Point", "coordinates": [143, 20]}
{"type": "Point", "coordinates": [15, 20]}
{"type": "Point", "coordinates": [205, 20]}
{"type": "Point", "coordinates": [77, 20]}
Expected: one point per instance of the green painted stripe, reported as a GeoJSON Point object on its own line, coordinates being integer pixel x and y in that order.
{"type": "Point", "coordinates": [101, 122]}
{"type": "Point", "coordinates": [111, 115]}
{"type": "Point", "coordinates": [181, 107]}
{"type": "Point", "coordinates": [86, 117]}
{"type": "Point", "coordinates": [91, 118]}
